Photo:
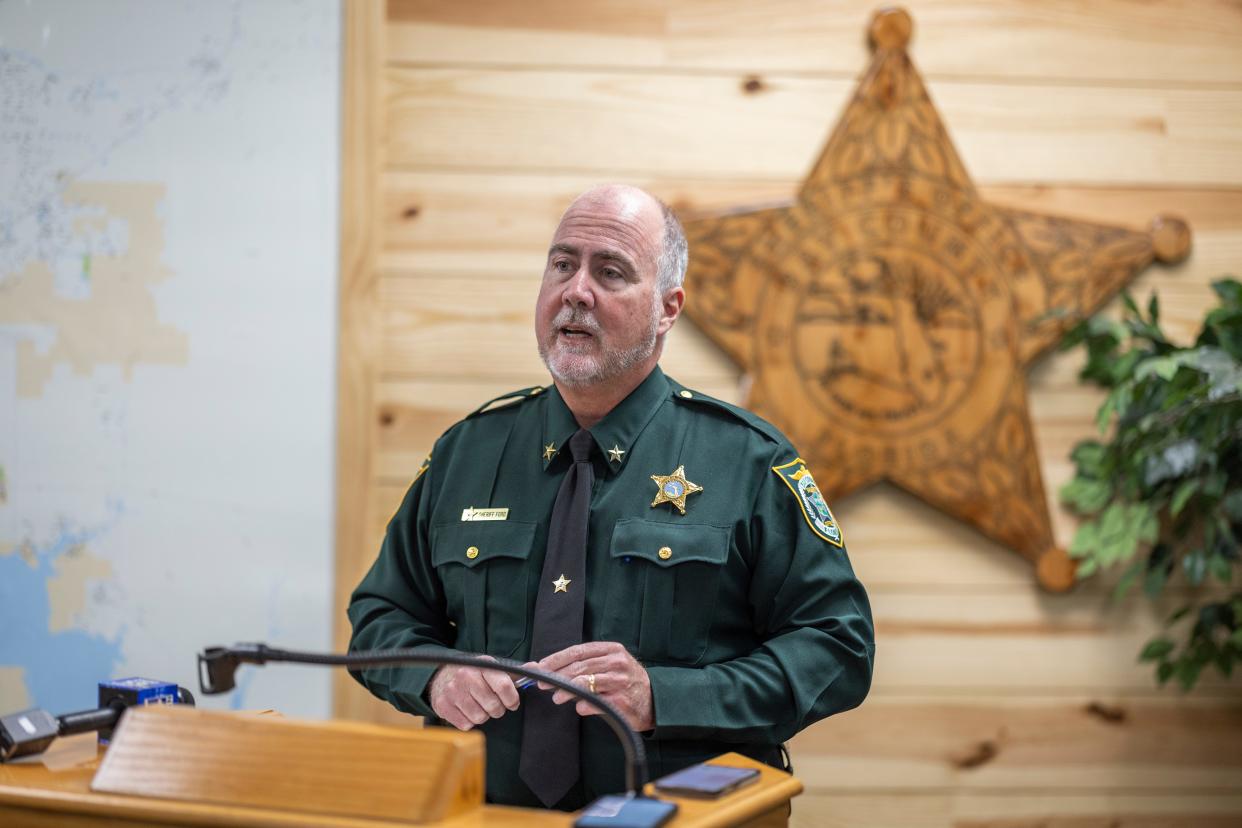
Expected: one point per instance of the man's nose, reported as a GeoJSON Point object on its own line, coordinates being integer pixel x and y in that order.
{"type": "Point", "coordinates": [578, 291]}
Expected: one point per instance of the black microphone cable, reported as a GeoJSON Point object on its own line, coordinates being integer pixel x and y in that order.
{"type": "Point", "coordinates": [217, 665]}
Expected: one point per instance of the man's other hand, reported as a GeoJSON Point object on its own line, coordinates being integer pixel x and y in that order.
{"type": "Point", "coordinates": [467, 696]}
{"type": "Point", "coordinates": [619, 678]}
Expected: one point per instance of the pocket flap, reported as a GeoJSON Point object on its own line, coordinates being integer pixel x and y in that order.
{"type": "Point", "coordinates": [473, 542]}
{"type": "Point", "coordinates": [669, 544]}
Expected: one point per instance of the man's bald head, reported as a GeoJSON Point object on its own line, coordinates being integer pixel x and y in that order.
{"type": "Point", "coordinates": [636, 203]}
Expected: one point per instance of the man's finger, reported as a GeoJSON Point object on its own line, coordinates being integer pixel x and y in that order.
{"type": "Point", "coordinates": [502, 685]}
{"type": "Point", "coordinates": [453, 713]}
{"type": "Point", "coordinates": [472, 710]}
{"type": "Point", "coordinates": [604, 684]}
{"type": "Point", "coordinates": [583, 708]}
{"type": "Point", "coordinates": [457, 720]}
{"type": "Point", "coordinates": [577, 652]}
{"type": "Point", "coordinates": [614, 663]}
{"type": "Point", "coordinates": [486, 698]}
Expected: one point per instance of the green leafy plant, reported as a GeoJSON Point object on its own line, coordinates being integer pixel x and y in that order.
{"type": "Point", "coordinates": [1162, 499]}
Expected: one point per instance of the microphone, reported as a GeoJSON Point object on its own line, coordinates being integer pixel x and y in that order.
{"type": "Point", "coordinates": [217, 666]}
{"type": "Point", "coordinates": [29, 732]}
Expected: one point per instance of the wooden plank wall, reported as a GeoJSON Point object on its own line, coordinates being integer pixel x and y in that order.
{"type": "Point", "coordinates": [473, 124]}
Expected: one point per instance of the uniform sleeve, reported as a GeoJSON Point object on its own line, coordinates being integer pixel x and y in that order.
{"type": "Point", "coordinates": [399, 603]}
{"type": "Point", "coordinates": [818, 639]}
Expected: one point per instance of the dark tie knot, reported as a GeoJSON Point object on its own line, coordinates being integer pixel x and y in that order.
{"type": "Point", "coordinates": [581, 445]}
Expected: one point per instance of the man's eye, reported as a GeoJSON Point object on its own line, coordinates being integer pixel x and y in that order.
{"type": "Point", "coordinates": [610, 273]}
{"type": "Point", "coordinates": [562, 266]}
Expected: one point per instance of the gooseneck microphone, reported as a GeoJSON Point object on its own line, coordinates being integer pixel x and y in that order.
{"type": "Point", "coordinates": [217, 665]}
{"type": "Point", "coordinates": [31, 731]}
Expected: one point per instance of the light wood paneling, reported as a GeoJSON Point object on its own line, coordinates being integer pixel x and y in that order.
{"type": "Point", "coordinates": [1102, 41]}
{"type": "Point", "coordinates": [431, 325]}
{"type": "Point", "coordinates": [496, 113]}
{"type": "Point", "coordinates": [1044, 809]}
{"type": "Point", "coordinates": [358, 342]}
{"type": "Point", "coordinates": [1075, 743]}
{"type": "Point", "coordinates": [709, 125]}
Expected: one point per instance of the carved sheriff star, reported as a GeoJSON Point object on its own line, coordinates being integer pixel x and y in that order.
{"type": "Point", "coordinates": [887, 316]}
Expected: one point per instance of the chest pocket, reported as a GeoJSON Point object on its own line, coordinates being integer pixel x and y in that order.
{"type": "Point", "coordinates": [483, 567]}
{"type": "Point", "coordinates": [663, 588]}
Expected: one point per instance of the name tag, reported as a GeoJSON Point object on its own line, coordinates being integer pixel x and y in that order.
{"type": "Point", "coordinates": [471, 513]}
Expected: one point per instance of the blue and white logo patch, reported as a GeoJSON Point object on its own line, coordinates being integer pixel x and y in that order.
{"type": "Point", "coordinates": [799, 480]}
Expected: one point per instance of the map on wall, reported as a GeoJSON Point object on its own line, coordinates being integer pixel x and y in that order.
{"type": "Point", "coordinates": [167, 282]}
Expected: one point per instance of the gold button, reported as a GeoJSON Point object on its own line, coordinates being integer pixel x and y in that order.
{"type": "Point", "coordinates": [686, 394]}
{"type": "Point", "coordinates": [472, 552]}
{"type": "Point", "coordinates": [665, 553]}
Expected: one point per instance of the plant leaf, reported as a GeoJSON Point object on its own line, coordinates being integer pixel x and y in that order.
{"type": "Point", "coordinates": [1156, 649]}
{"type": "Point", "coordinates": [1184, 491]}
{"type": "Point", "coordinates": [1090, 457]}
{"type": "Point", "coordinates": [1087, 496]}
{"type": "Point", "coordinates": [1127, 580]}
{"type": "Point", "coordinates": [1177, 615]}
{"type": "Point", "coordinates": [1187, 672]}
{"type": "Point", "coordinates": [1229, 291]}
{"type": "Point", "coordinates": [1221, 569]}
{"type": "Point", "coordinates": [1195, 566]}
{"type": "Point", "coordinates": [1233, 505]}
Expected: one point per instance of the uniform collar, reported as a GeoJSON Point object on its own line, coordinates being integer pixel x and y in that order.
{"type": "Point", "coordinates": [616, 433]}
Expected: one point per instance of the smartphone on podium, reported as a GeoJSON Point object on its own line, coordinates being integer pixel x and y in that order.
{"type": "Point", "coordinates": [706, 781]}
{"type": "Point", "coordinates": [626, 812]}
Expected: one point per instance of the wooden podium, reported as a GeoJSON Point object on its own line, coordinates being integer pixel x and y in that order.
{"type": "Point", "coordinates": [183, 766]}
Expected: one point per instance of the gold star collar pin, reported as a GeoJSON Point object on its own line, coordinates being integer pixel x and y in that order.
{"type": "Point", "coordinates": [674, 488]}
{"type": "Point", "coordinates": [549, 451]}
{"type": "Point", "coordinates": [561, 584]}
{"type": "Point", "coordinates": [615, 453]}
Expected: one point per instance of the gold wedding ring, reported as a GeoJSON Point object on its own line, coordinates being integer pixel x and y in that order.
{"type": "Point", "coordinates": [591, 682]}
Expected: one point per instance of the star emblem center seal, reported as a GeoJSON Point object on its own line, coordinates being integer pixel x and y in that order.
{"type": "Point", "coordinates": [674, 488]}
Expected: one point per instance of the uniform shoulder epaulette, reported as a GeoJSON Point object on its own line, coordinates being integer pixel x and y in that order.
{"type": "Point", "coordinates": [506, 400]}
{"type": "Point", "coordinates": [685, 395]}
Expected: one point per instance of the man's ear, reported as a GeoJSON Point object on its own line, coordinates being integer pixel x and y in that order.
{"type": "Point", "coordinates": [670, 306]}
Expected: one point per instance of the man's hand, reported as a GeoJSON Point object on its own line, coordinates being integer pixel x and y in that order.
{"type": "Point", "coordinates": [467, 696]}
{"type": "Point", "coordinates": [619, 678]}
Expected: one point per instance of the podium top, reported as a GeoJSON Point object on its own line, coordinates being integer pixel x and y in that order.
{"type": "Point", "coordinates": [38, 795]}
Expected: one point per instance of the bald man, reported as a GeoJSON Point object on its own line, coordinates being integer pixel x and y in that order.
{"type": "Point", "coordinates": [665, 549]}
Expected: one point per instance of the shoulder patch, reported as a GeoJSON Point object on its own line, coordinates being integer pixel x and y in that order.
{"type": "Point", "coordinates": [506, 400]}
{"type": "Point", "coordinates": [814, 508]}
{"type": "Point", "coordinates": [691, 397]}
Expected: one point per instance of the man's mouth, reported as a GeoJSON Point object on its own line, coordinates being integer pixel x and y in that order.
{"type": "Point", "coordinates": [574, 332]}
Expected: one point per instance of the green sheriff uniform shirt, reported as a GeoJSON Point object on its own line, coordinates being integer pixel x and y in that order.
{"type": "Point", "coordinates": [744, 611]}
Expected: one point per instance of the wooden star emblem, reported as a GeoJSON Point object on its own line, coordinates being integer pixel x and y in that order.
{"type": "Point", "coordinates": [561, 584]}
{"type": "Point", "coordinates": [888, 315]}
{"type": "Point", "coordinates": [674, 488]}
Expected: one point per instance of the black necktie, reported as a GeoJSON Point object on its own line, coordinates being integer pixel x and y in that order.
{"type": "Point", "coordinates": [550, 732]}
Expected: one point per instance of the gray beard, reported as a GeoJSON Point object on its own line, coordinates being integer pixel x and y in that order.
{"type": "Point", "coordinates": [608, 366]}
